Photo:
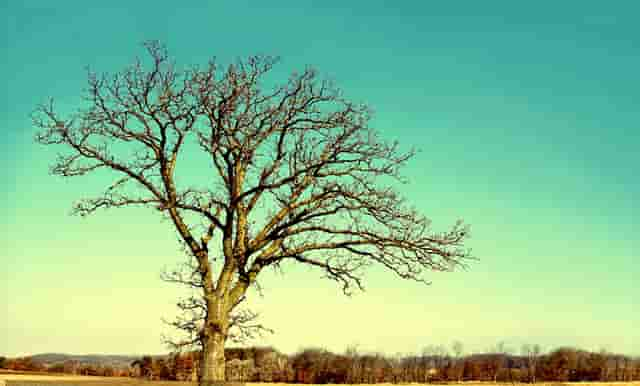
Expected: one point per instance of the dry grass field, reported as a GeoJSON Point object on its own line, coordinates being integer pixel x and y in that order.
{"type": "Point", "coordinates": [76, 380]}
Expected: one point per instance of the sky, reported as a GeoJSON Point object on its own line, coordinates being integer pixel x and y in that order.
{"type": "Point", "coordinates": [525, 114]}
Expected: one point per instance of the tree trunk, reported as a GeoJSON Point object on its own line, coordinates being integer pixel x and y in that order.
{"type": "Point", "coordinates": [212, 367]}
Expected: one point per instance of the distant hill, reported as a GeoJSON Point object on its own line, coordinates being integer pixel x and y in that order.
{"type": "Point", "coordinates": [117, 361]}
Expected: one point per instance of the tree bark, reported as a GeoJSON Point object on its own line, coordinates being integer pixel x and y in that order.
{"type": "Point", "coordinates": [212, 367]}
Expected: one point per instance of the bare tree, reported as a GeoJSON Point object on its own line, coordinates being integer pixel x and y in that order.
{"type": "Point", "coordinates": [354, 373]}
{"type": "Point", "coordinates": [497, 360]}
{"type": "Point", "coordinates": [531, 354]}
{"type": "Point", "coordinates": [458, 348]}
{"type": "Point", "coordinates": [434, 357]}
{"type": "Point", "coordinates": [290, 174]}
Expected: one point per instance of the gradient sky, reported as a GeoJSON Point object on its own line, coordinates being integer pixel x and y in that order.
{"type": "Point", "coordinates": [526, 115]}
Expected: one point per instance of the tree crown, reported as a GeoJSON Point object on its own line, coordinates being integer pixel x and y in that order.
{"type": "Point", "coordinates": [293, 173]}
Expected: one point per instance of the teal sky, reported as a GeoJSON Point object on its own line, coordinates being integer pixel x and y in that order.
{"type": "Point", "coordinates": [526, 115]}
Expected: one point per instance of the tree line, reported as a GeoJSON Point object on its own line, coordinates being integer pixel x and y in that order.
{"type": "Point", "coordinates": [434, 364]}
{"type": "Point", "coordinates": [28, 364]}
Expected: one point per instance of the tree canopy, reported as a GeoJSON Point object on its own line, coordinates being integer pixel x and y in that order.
{"type": "Point", "coordinates": [291, 173]}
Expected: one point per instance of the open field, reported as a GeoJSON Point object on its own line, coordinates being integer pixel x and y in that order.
{"type": "Point", "coordinates": [73, 380]}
